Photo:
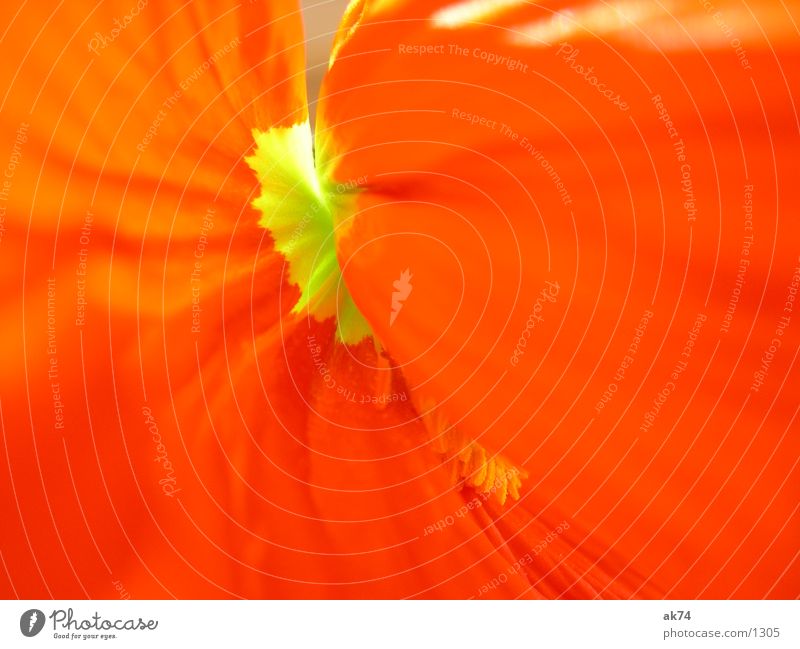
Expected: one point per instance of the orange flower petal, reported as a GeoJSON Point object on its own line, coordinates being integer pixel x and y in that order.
{"type": "Point", "coordinates": [131, 251]}
{"type": "Point", "coordinates": [577, 212]}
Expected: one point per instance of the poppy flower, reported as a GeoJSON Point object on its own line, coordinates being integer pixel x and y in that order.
{"type": "Point", "coordinates": [517, 318]}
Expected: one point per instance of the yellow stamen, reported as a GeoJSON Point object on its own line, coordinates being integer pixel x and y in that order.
{"type": "Point", "coordinates": [470, 465]}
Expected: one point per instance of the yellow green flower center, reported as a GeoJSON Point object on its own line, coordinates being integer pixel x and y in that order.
{"type": "Point", "coordinates": [301, 211]}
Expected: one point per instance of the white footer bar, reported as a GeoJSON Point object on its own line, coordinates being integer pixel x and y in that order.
{"type": "Point", "coordinates": [400, 624]}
